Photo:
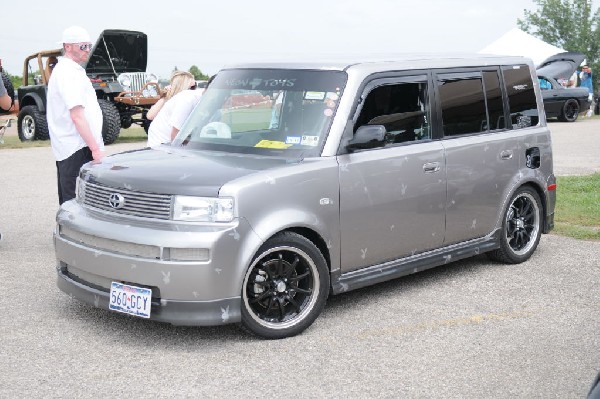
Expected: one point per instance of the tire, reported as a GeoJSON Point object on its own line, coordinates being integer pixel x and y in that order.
{"type": "Point", "coordinates": [111, 121]}
{"type": "Point", "coordinates": [521, 227]}
{"type": "Point", "coordinates": [126, 121]}
{"type": "Point", "coordinates": [145, 121]}
{"type": "Point", "coordinates": [32, 124]}
{"type": "Point", "coordinates": [10, 90]}
{"type": "Point", "coordinates": [570, 111]}
{"type": "Point", "coordinates": [285, 288]}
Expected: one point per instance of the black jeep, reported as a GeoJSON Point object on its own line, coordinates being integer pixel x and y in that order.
{"type": "Point", "coordinates": [117, 69]}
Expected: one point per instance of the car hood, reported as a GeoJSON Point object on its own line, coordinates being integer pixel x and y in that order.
{"type": "Point", "coordinates": [166, 170]}
{"type": "Point", "coordinates": [123, 50]}
{"type": "Point", "coordinates": [561, 65]}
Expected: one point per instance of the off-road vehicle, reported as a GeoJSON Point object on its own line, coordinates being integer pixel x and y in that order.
{"type": "Point", "coordinates": [116, 68]}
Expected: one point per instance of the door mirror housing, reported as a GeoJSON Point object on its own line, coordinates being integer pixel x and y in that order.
{"type": "Point", "coordinates": [367, 136]}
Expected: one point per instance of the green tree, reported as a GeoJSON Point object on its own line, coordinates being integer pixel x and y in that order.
{"type": "Point", "coordinates": [569, 24]}
{"type": "Point", "coordinates": [16, 80]}
{"type": "Point", "coordinates": [198, 75]}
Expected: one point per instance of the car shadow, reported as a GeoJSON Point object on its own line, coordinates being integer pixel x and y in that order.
{"type": "Point", "coordinates": [110, 325]}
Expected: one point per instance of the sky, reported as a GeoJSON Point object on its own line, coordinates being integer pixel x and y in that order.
{"type": "Point", "coordinates": [214, 34]}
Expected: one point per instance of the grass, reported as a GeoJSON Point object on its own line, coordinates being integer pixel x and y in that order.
{"type": "Point", "coordinates": [577, 212]}
{"type": "Point", "coordinates": [134, 134]}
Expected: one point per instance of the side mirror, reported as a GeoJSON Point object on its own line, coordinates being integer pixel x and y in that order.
{"type": "Point", "coordinates": [367, 136]}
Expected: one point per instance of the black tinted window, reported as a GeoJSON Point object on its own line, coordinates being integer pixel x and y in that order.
{"type": "Point", "coordinates": [521, 96]}
{"type": "Point", "coordinates": [403, 109]}
{"type": "Point", "coordinates": [493, 96]}
{"type": "Point", "coordinates": [463, 106]}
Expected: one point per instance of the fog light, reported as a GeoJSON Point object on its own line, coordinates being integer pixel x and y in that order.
{"type": "Point", "coordinates": [189, 254]}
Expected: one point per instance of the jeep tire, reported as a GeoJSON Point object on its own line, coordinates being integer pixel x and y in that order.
{"type": "Point", "coordinates": [111, 121]}
{"type": "Point", "coordinates": [32, 124]}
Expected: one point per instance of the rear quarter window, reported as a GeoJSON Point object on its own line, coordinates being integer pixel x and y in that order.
{"type": "Point", "coordinates": [521, 96]}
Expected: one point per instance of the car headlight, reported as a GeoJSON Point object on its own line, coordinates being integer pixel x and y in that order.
{"type": "Point", "coordinates": [125, 81]}
{"type": "Point", "coordinates": [150, 77]}
{"type": "Point", "coordinates": [202, 209]}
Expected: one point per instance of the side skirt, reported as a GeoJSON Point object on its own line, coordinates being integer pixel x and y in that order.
{"type": "Point", "coordinates": [402, 267]}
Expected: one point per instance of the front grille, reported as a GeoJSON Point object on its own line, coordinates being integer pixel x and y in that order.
{"type": "Point", "coordinates": [125, 202]}
{"type": "Point", "coordinates": [137, 79]}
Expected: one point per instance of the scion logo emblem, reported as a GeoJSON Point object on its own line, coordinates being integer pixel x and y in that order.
{"type": "Point", "coordinates": [116, 201]}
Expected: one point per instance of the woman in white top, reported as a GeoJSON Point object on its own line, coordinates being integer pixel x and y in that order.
{"type": "Point", "coordinates": [171, 117]}
{"type": "Point", "coordinates": [180, 81]}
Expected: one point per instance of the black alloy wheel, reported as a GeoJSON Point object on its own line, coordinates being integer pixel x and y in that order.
{"type": "Point", "coordinates": [285, 288]}
{"type": "Point", "coordinates": [521, 228]}
{"type": "Point", "coordinates": [570, 111]}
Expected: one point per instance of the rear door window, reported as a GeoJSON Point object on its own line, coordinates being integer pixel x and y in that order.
{"type": "Point", "coordinates": [462, 101]}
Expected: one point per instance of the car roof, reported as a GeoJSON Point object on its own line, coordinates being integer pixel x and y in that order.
{"type": "Point", "coordinates": [374, 63]}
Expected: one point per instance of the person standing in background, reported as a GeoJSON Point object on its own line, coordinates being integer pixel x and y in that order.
{"type": "Point", "coordinates": [585, 76]}
{"type": "Point", "coordinates": [73, 113]}
{"type": "Point", "coordinates": [572, 80]}
{"type": "Point", "coordinates": [5, 101]}
{"type": "Point", "coordinates": [180, 81]}
{"type": "Point", "coordinates": [171, 117]}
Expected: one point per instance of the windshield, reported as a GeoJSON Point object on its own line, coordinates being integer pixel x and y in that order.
{"type": "Point", "coordinates": [273, 112]}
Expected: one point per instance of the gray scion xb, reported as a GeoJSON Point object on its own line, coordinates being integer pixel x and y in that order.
{"type": "Point", "coordinates": [292, 182]}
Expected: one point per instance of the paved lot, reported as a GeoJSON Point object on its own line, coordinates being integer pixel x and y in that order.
{"type": "Point", "coordinates": [469, 329]}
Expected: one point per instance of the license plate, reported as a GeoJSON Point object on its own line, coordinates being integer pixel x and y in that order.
{"type": "Point", "coordinates": [130, 299]}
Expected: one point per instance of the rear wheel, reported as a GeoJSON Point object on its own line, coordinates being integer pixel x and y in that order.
{"type": "Point", "coordinates": [285, 288]}
{"type": "Point", "coordinates": [32, 124]}
{"type": "Point", "coordinates": [570, 111]}
{"type": "Point", "coordinates": [521, 227]}
{"type": "Point", "coordinates": [111, 121]}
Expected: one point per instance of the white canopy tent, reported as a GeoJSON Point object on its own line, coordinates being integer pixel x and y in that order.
{"type": "Point", "coordinates": [517, 42]}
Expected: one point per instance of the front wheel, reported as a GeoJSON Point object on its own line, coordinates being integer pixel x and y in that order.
{"type": "Point", "coordinates": [521, 227]}
{"type": "Point", "coordinates": [111, 121]}
{"type": "Point", "coordinates": [285, 288]}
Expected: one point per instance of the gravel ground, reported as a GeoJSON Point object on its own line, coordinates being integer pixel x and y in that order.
{"type": "Point", "coordinates": [468, 329]}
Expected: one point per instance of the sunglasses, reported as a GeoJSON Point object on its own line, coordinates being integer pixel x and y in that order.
{"type": "Point", "coordinates": [193, 87]}
{"type": "Point", "coordinates": [87, 46]}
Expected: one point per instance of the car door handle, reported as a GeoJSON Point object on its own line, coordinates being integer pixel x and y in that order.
{"type": "Point", "coordinates": [506, 154]}
{"type": "Point", "coordinates": [431, 167]}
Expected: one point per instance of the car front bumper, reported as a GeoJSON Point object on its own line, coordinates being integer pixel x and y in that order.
{"type": "Point", "coordinates": [180, 313]}
{"type": "Point", "coordinates": [95, 249]}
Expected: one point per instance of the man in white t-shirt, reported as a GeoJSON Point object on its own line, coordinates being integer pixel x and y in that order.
{"type": "Point", "coordinates": [73, 113]}
{"type": "Point", "coordinates": [169, 120]}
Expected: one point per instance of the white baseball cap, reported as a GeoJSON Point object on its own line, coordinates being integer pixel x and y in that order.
{"type": "Point", "coordinates": [75, 34]}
